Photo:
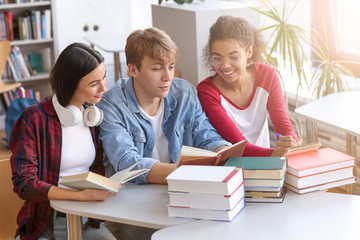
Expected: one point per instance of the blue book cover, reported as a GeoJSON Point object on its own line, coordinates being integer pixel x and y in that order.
{"type": "Point", "coordinates": [254, 163]}
{"type": "Point", "coordinates": [260, 167]}
{"type": "Point", "coordinates": [43, 24]}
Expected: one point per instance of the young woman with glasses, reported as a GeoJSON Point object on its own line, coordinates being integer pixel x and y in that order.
{"type": "Point", "coordinates": [243, 91]}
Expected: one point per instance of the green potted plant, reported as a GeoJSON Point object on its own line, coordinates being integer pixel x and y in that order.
{"type": "Point", "coordinates": [329, 75]}
{"type": "Point", "coordinates": [287, 47]}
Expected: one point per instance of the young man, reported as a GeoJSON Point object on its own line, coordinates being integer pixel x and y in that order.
{"type": "Point", "coordinates": [149, 116]}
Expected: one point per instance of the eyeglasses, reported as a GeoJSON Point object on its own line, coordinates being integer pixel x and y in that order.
{"type": "Point", "coordinates": [216, 61]}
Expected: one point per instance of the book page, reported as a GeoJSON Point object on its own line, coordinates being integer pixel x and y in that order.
{"type": "Point", "coordinates": [193, 151]}
{"type": "Point", "coordinates": [126, 174]}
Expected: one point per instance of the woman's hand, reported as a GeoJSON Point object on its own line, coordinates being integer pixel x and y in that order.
{"type": "Point", "coordinates": [89, 194]}
{"type": "Point", "coordinates": [282, 145]}
{"type": "Point", "coordinates": [92, 194]}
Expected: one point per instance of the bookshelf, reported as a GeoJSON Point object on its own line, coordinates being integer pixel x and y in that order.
{"type": "Point", "coordinates": [43, 44]}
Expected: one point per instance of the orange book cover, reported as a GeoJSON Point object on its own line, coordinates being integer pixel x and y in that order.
{"type": "Point", "coordinates": [314, 162]}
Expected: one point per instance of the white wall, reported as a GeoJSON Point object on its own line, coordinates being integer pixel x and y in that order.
{"type": "Point", "coordinates": [70, 17]}
{"type": "Point", "coordinates": [188, 25]}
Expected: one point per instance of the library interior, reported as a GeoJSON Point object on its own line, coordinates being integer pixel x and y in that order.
{"type": "Point", "coordinates": [232, 119]}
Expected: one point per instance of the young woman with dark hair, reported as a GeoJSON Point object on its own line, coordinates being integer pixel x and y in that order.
{"type": "Point", "coordinates": [56, 138]}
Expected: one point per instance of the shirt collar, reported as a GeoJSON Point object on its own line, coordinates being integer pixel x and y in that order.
{"type": "Point", "coordinates": [169, 101]}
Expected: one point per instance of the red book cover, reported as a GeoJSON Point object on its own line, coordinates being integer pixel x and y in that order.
{"type": "Point", "coordinates": [27, 92]}
{"type": "Point", "coordinates": [314, 162]}
{"type": "Point", "coordinates": [9, 26]}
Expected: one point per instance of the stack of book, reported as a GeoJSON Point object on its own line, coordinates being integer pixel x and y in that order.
{"type": "Point", "coordinates": [264, 177]}
{"type": "Point", "coordinates": [206, 192]}
{"type": "Point", "coordinates": [20, 65]}
{"type": "Point", "coordinates": [319, 170]}
{"type": "Point", "coordinates": [28, 25]}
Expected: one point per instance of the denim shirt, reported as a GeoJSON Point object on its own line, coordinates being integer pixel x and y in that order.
{"type": "Point", "coordinates": [128, 136]}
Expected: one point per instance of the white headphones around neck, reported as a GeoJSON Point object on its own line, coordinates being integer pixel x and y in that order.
{"type": "Point", "coordinates": [71, 115]}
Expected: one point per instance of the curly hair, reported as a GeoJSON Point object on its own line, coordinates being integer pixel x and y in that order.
{"type": "Point", "coordinates": [229, 27]}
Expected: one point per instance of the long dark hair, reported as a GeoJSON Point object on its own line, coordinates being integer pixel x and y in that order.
{"type": "Point", "coordinates": [74, 62]}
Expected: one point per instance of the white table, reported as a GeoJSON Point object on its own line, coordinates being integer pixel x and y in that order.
{"type": "Point", "coordinates": [113, 43]}
{"type": "Point", "coordinates": [339, 111]}
{"type": "Point", "coordinates": [140, 205]}
{"type": "Point", "coordinates": [318, 215]}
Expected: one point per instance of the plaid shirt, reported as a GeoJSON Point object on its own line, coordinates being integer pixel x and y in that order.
{"type": "Point", "coordinates": [36, 153]}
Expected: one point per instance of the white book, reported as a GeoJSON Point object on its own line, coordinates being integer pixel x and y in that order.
{"type": "Point", "coordinates": [251, 182]}
{"type": "Point", "coordinates": [47, 13]}
{"type": "Point", "coordinates": [262, 189]}
{"type": "Point", "coordinates": [218, 180]}
{"type": "Point", "coordinates": [93, 180]}
{"type": "Point", "coordinates": [317, 179]}
{"type": "Point", "coordinates": [207, 214]}
{"type": "Point", "coordinates": [322, 186]}
{"type": "Point", "coordinates": [38, 24]}
{"type": "Point", "coordinates": [207, 201]}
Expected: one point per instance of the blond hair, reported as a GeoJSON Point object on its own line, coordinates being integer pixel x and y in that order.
{"type": "Point", "coordinates": [151, 42]}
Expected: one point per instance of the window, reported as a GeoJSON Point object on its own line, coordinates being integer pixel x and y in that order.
{"type": "Point", "coordinates": [336, 21]}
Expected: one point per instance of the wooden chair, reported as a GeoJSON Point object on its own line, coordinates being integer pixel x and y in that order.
{"type": "Point", "coordinates": [5, 48]}
{"type": "Point", "coordinates": [10, 203]}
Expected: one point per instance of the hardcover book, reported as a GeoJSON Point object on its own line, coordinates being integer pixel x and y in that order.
{"type": "Point", "coordinates": [93, 180]}
{"type": "Point", "coordinates": [263, 194]}
{"type": "Point", "coordinates": [262, 189]}
{"type": "Point", "coordinates": [278, 199]}
{"type": "Point", "coordinates": [197, 156]}
{"type": "Point", "coordinates": [263, 182]}
{"type": "Point", "coordinates": [207, 214]}
{"type": "Point", "coordinates": [207, 201]}
{"type": "Point", "coordinates": [260, 167]}
{"type": "Point", "coordinates": [314, 162]}
{"type": "Point", "coordinates": [321, 178]}
{"type": "Point", "coordinates": [218, 180]}
{"type": "Point", "coordinates": [322, 186]}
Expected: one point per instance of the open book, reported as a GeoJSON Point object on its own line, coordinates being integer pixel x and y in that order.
{"type": "Point", "coordinates": [197, 156]}
{"type": "Point", "coordinates": [303, 148]}
{"type": "Point", "coordinates": [93, 180]}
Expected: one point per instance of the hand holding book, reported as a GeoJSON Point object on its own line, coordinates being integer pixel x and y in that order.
{"type": "Point", "coordinates": [93, 180]}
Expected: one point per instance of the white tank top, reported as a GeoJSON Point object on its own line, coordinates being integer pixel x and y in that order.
{"type": "Point", "coordinates": [78, 150]}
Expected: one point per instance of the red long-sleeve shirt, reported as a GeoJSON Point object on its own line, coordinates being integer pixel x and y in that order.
{"type": "Point", "coordinates": [235, 124]}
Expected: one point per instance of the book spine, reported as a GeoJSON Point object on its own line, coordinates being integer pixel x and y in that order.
{"type": "Point", "coordinates": [43, 26]}
{"type": "Point", "coordinates": [48, 28]}
{"type": "Point", "coordinates": [38, 23]}
{"type": "Point", "coordinates": [9, 26]}
{"type": "Point", "coordinates": [16, 63]}
{"type": "Point", "coordinates": [33, 24]}
{"type": "Point", "coordinates": [13, 70]}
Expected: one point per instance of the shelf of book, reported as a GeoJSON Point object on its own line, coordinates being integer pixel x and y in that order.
{"type": "Point", "coordinates": [32, 54]}
{"type": "Point", "coordinates": [11, 6]}
{"type": "Point", "coordinates": [38, 77]}
{"type": "Point", "coordinates": [31, 42]}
